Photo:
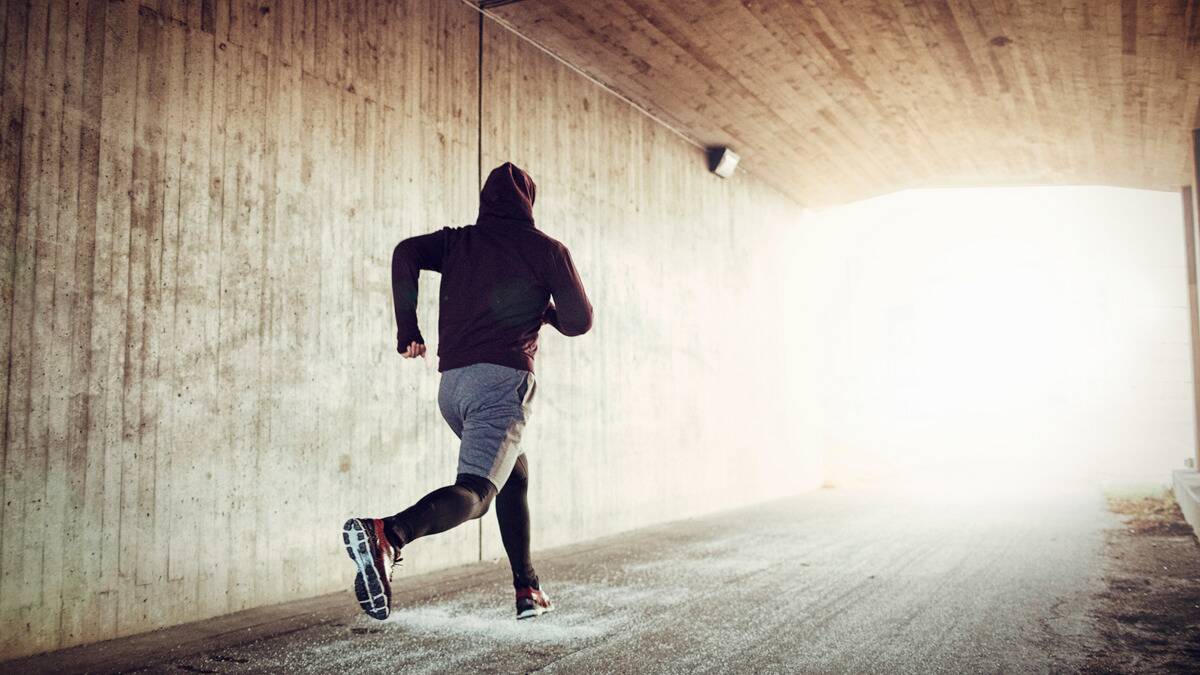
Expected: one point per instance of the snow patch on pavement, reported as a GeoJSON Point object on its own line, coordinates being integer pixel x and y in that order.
{"type": "Point", "coordinates": [451, 618]}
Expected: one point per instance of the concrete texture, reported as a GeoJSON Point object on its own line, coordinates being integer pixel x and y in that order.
{"type": "Point", "coordinates": [200, 382]}
{"type": "Point", "coordinates": [836, 101]}
{"type": "Point", "coordinates": [1186, 484]}
{"type": "Point", "coordinates": [827, 582]}
{"type": "Point", "coordinates": [678, 402]}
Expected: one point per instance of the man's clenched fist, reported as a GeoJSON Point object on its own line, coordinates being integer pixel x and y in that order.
{"type": "Point", "coordinates": [414, 350]}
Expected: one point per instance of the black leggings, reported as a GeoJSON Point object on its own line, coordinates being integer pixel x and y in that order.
{"type": "Point", "coordinates": [467, 499]}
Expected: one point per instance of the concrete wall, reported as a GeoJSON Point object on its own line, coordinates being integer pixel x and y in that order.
{"type": "Point", "coordinates": [674, 404]}
{"type": "Point", "coordinates": [198, 202]}
{"type": "Point", "coordinates": [1008, 339]}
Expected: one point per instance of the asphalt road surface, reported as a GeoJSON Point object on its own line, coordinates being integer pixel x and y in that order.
{"type": "Point", "coordinates": [831, 581]}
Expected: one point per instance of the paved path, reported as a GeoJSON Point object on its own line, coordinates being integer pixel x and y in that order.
{"type": "Point", "coordinates": [825, 582]}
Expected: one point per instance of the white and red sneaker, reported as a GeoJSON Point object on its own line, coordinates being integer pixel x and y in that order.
{"type": "Point", "coordinates": [374, 557]}
{"type": "Point", "coordinates": [532, 602]}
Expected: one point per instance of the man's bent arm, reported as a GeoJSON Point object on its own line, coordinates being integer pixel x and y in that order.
{"type": "Point", "coordinates": [408, 259]}
{"type": "Point", "coordinates": [571, 313]}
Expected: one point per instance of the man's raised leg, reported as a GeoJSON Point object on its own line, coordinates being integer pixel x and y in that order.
{"type": "Point", "coordinates": [441, 510]}
{"type": "Point", "coordinates": [374, 544]}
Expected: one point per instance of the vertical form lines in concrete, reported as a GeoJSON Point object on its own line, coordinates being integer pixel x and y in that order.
{"type": "Point", "coordinates": [1189, 234]}
{"type": "Point", "coordinates": [1194, 202]}
{"type": "Point", "coordinates": [479, 180]}
{"type": "Point", "coordinates": [484, 10]}
{"type": "Point", "coordinates": [1190, 208]}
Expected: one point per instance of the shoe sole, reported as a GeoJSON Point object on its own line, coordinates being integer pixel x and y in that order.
{"type": "Point", "coordinates": [535, 612]}
{"type": "Point", "coordinates": [368, 581]}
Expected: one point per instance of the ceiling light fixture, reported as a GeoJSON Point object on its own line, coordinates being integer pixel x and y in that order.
{"type": "Point", "coordinates": [722, 161]}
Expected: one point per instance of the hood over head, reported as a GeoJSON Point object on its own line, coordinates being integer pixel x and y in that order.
{"type": "Point", "coordinates": [507, 197]}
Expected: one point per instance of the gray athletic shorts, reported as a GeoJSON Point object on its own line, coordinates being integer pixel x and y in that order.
{"type": "Point", "coordinates": [486, 405]}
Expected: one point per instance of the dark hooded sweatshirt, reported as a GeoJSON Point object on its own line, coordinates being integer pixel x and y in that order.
{"type": "Point", "coordinates": [498, 278]}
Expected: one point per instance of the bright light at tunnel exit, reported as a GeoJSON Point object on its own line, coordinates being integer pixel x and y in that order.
{"type": "Point", "coordinates": [995, 341]}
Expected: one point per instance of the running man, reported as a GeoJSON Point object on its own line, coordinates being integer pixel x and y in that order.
{"type": "Point", "coordinates": [498, 279]}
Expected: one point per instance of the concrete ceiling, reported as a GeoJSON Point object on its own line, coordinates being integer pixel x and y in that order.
{"type": "Point", "coordinates": [836, 101]}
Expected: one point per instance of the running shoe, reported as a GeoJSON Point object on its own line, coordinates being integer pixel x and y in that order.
{"type": "Point", "coordinates": [375, 558]}
{"type": "Point", "coordinates": [532, 602]}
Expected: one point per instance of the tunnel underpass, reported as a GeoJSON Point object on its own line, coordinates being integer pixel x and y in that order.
{"type": "Point", "coordinates": [908, 382]}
